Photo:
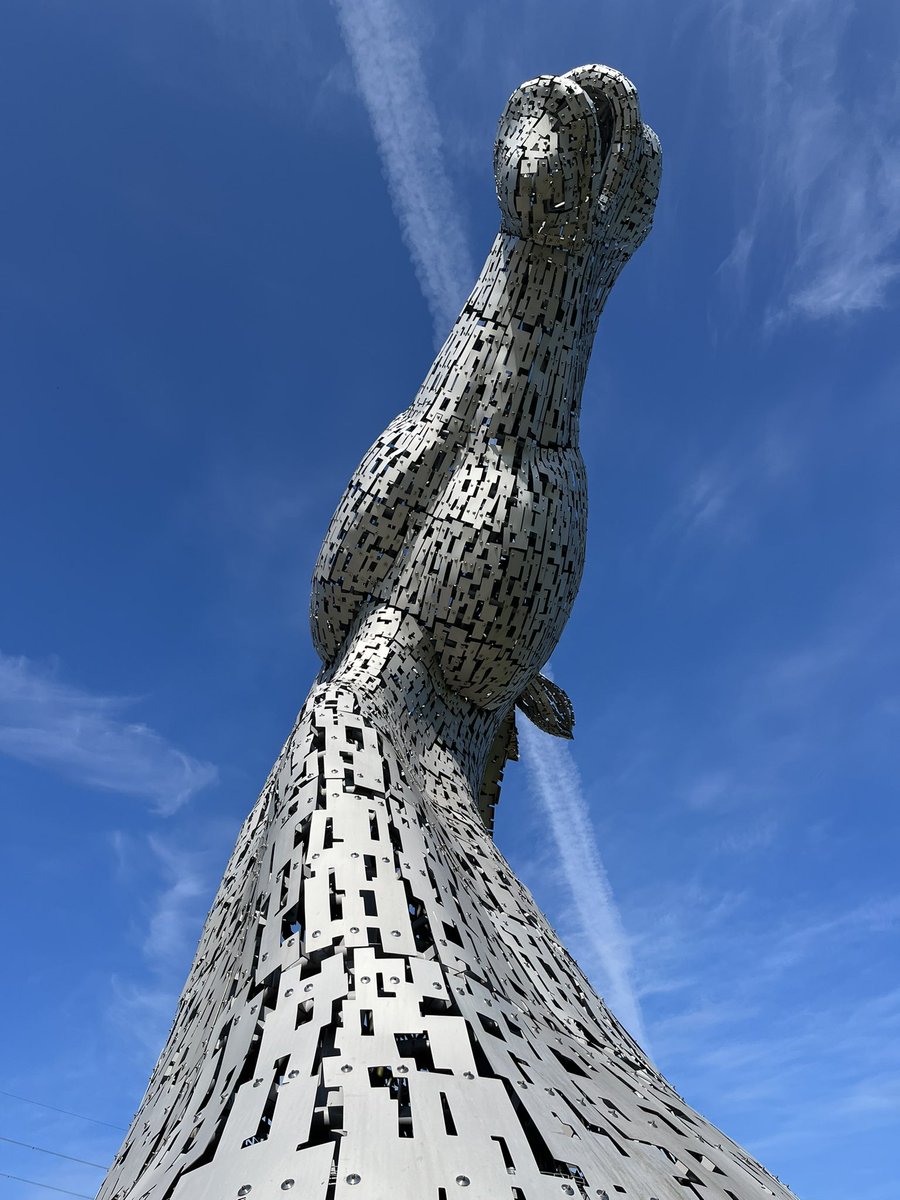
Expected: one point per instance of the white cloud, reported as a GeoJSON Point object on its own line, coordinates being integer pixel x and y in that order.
{"type": "Point", "coordinates": [781, 721]}
{"type": "Point", "coordinates": [140, 1011]}
{"type": "Point", "coordinates": [707, 496]}
{"type": "Point", "coordinates": [84, 737]}
{"type": "Point", "coordinates": [728, 493]}
{"type": "Point", "coordinates": [825, 140]}
{"type": "Point", "coordinates": [393, 86]}
{"type": "Point", "coordinates": [557, 786]}
{"type": "Point", "coordinates": [182, 890]}
{"type": "Point", "coordinates": [171, 930]}
{"type": "Point", "coordinates": [797, 939]}
{"type": "Point", "coordinates": [761, 989]}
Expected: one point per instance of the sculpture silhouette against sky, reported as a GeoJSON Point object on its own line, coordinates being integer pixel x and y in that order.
{"type": "Point", "coordinates": [377, 1009]}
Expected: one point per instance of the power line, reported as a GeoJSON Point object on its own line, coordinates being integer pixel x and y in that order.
{"type": "Point", "coordinates": [48, 1186]}
{"type": "Point", "coordinates": [68, 1112]}
{"type": "Point", "coordinates": [56, 1154]}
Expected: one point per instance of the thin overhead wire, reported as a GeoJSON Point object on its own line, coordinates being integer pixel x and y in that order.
{"type": "Point", "coordinates": [56, 1154]}
{"type": "Point", "coordinates": [48, 1186]}
{"type": "Point", "coordinates": [66, 1111]}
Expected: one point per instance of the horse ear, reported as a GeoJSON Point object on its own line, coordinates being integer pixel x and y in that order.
{"type": "Point", "coordinates": [547, 706]}
{"type": "Point", "coordinates": [631, 157]}
{"type": "Point", "coordinates": [546, 158]}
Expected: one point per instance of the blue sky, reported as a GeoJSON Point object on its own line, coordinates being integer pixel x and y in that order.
{"type": "Point", "coordinates": [232, 231]}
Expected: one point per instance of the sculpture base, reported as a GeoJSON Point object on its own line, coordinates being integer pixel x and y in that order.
{"type": "Point", "coordinates": [378, 1010]}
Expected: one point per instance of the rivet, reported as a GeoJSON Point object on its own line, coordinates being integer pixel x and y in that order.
{"type": "Point", "coordinates": [463, 1180]}
{"type": "Point", "coordinates": [352, 1179]}
{"type": "Point", "coordinates": [395, 933]}
{"type": "Point", "coordinates": [287, 1184]}
{"type": "Point", "coordinates": [365, 979]}
{"type": "Point", "coordinates": [245, 1190]}
{"type": "Point", "coordinates": [289, 992]}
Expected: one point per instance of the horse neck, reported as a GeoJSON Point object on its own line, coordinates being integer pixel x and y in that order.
{"type": "Point", "coordinates": [514, 363]}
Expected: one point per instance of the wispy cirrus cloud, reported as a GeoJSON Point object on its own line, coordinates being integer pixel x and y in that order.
{"type": "Point", "coordinates": [87, 738]}
{"type": "Point", "coordinates": [171, 932]}
{"type": "Point", "coordinates": [824, 137]}
{"type": "Point", "coordinates": [391, 79]}
{"type": "Point", "coordinates": [780, 991]}
{"type": "Point", "coordinates": [727, 492]}
{"type": "Point", "coordinates": [179, 890]}
{"type": "Point", "coordinates": [779, 720]}
{"type": "Point", "coordinates": [557, 785]}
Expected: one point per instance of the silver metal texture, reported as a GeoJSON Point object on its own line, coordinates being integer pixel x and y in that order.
{"type": "Point", "coordinates": [377, 1009]}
